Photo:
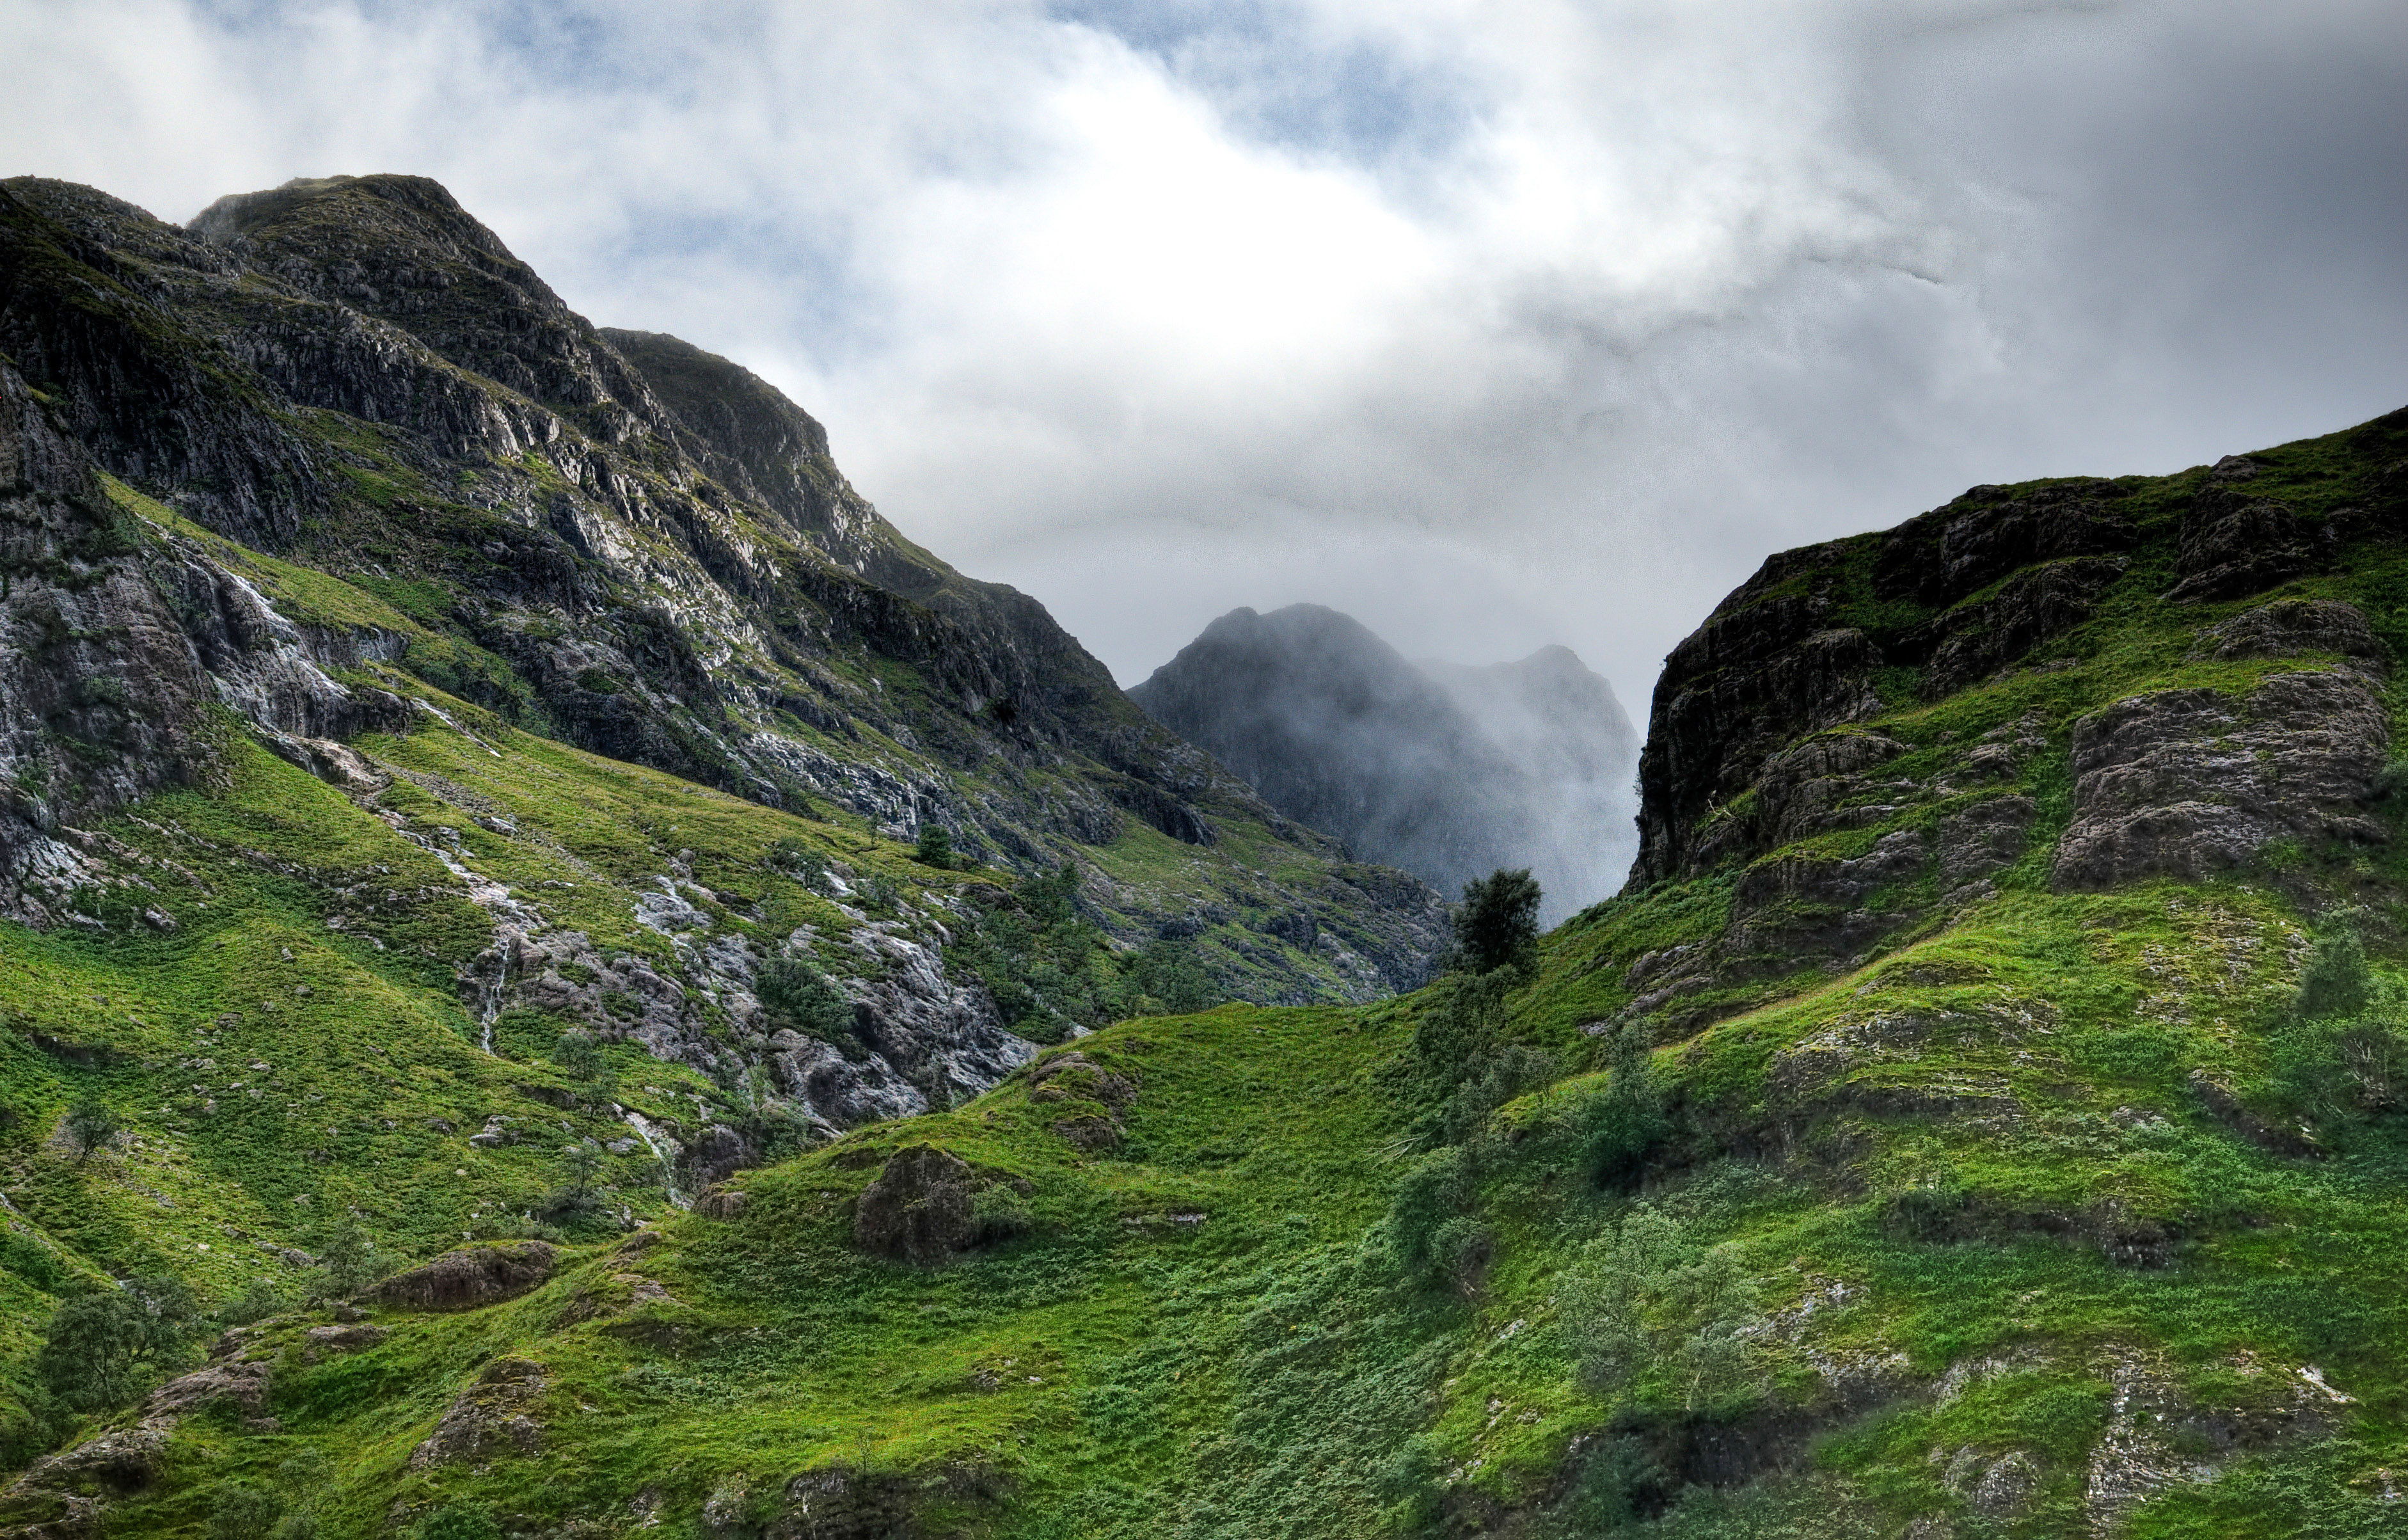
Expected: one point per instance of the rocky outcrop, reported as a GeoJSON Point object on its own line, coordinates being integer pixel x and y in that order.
{"type": "Point", "coordinates": [2184, 782]}
{"type": "Point", "coordinates": [491, 1418]}
{"type": "Point", "coordinates": [2234, 544]}
{"type": "Point", "coordinates": [923, 1208]}
{"type": "Point", "coordinates": [2296, 628]}
{"type": "Point", "coordinates": [1765, 670]}
{"type": "Point", "coordinates": [469, 1278]}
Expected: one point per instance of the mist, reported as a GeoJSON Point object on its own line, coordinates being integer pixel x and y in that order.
{"type": "Point", "coordinates": [1495, 326]}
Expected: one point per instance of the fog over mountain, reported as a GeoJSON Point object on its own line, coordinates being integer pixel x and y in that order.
{"type": "Point", "coordinates": [1446, 769]}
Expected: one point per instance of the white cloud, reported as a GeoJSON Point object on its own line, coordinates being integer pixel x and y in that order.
{"type": "Point", "coordinates": [1493, 323]}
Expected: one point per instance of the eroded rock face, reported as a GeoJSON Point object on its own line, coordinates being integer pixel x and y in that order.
{"type": "Point", "coordinates": [244, 1384]}
{"type": "Point", "coordinates": [470, 1277]}
{"type": "Point", "coordinates": [2183, 783]}
{"type": "Point", "coordinates": [1801, 910]}
{"type": "Point", "coordinates": [2234, 545]}
{"type": "Point", "coordinates": [1983, 838]}
{"type": "Point", "coordinates": [1979, 638]}
{"type": "Point", "coordinates": [1764, 669]}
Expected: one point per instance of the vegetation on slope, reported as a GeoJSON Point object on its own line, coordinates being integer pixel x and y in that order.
{"type": "Point", "coordinates": [2024, 1204]}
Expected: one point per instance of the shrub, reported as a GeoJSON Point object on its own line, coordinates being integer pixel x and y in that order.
{"type": "Point", "coordinates": [1647, 1298]}
{"type": "Point", "coordinates": [2336, 982]}
{"type": "Point", "coordinates": [579, 1193]}
{"type": "Point", "coordinates": [800, 998]}
{"type": "Point", "coordinates": [1433, 1230]}
{"type": "Point", "coordinates": [798, 861]}
{"type": "Point", "coordinates": [254, 1303]}
{"type": "Point", "coordinates": [244, 1513]}
{"type": "Point", "coordinates": [1459, 1030]}
{"type": "Point", "coordinates": [935, 847]}
{"type": "Point", "coordinates": [1513, 1071]}
{"type": "Point", "coordinates": [998, 1212]}
{"type": "Point", "coordinates": [1496, 924]}
{"type": "Point", "coordinates": [459, 1521]}
{"type": "Point", "coordinates": [1621, 1126]}
{"type": "Point", "coordinates": [348, 1259]}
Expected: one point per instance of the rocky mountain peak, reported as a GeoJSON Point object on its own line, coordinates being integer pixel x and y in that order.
{"type": "Point", "coordinates": [1446, 769]}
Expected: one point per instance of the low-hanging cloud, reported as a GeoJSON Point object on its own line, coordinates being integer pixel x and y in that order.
{"type": "Point", "coordinates": [1492, 324]}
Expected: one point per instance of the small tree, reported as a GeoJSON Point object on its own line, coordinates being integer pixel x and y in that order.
{"type": "Point", "coordinates": [935, 847]}
{"type": "Point", "coordinates": [90, 1126]}
{"type": "Point", "coordinates": [104, 1349]}
{"type": "Point", "coordinates": [581, 1058]}
{"type": "Point", "coordinates": [1496, 924]}
{"type": "Point", "coordinates": [349, 1261]}
{"type": "Point", "coordinates": [579, 1191]}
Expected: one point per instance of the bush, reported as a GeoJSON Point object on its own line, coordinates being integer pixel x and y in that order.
{"type": "Point", "coordinates": [998, 1213]}
{"type": "Point", "coordinates": [90, 1126]}
{"type": "Point", "coordinates": [1496, 924]}
{"type": "Point", "coordinates": [34, 1263]}
{"type": "Point", "coordinates": [799, 998]}
{"type": "Point", "coordinates": [254, 1303]}
{"type": "Point", "coordinates": [244, 1513]}
{"type": "Point", "coordinates": [935, 847]}
{"type": "Point", "coordinates": [1647, 1298]}
{"type": "Point", "coordinates": [579, 1193]}
{"type": "Point", "coordinates": [1620, 1126]}
{"type": "Point", "coordinates": [1459, 1030]}
{"type": "Point", "coordinates": [1434, 1232]}
{"type": "Point", "coordinates": [459, 1521]}
{"type": "Point", "coordinates": [1512, 1072]}
{"type": "Point", "coordinates": [2337, 981]}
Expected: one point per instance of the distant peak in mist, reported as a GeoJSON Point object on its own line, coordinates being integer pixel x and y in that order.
{"type": "Point", "coordinates": [1447, 770]}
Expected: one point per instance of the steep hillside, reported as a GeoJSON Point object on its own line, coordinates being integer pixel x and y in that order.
{"type": "Point", "coordinates": [1446, 771]}
{"type": "Point", "coordinates": [1980, 1118]}
{"type": "Point", "coordinates": [624, 544]}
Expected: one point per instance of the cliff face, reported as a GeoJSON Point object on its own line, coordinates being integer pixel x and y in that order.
{"type": "Point", "coordinates": [1447, 771]}
{"type": "Point", "coordinates": [623, 542]}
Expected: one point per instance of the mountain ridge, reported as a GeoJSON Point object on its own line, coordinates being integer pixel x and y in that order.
{"type": "Point", "coordinates": [1451, 771]}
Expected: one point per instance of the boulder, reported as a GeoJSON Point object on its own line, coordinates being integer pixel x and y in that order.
{"type": "Point", "coordinates": [245, 1384]}
{"type": "Point", "coordinates": [923, 1208]}
{"type": "Point", "coordinates": [491, 1418]}
{"type": "Point", "coordinates": [468, 1278]}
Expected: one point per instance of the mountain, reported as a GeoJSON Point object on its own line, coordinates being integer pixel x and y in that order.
{"type": "Point", "coordinates": [612, 541]}
{"type": "Point", "coordinates": [1446, 771]}
{"type": "Point", "coordinates": [1980, 1114]}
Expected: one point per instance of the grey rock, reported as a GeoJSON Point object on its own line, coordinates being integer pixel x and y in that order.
{"type": "Point", "coordinates": [2295, 629]}
{"type": "Point", "coordinates": [1983, 838]}
{"type": "Point", "coordinates": [492, 1418]}
{"type": "Point", "coordinates": [2183, 783]}
{"type": "Point", "coordinates": [2233, 545]}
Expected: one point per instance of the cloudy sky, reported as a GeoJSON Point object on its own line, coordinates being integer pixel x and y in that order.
{"type": "Point", "coordinates": [1493, 324]}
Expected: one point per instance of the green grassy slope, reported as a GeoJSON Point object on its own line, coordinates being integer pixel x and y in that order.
{"type": "Point", "coordinates": [1946, 1239]}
